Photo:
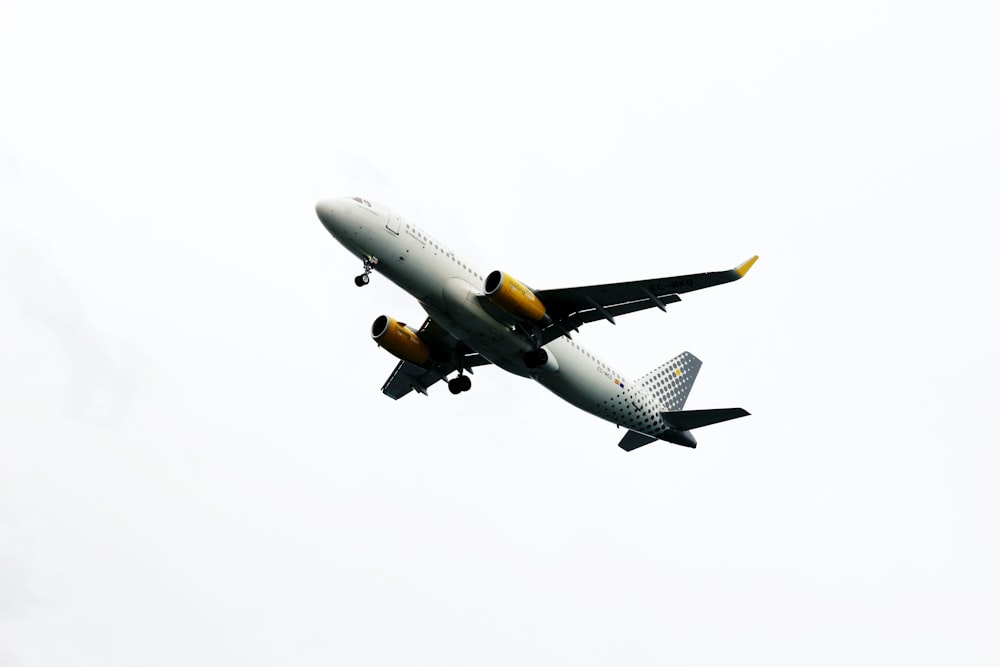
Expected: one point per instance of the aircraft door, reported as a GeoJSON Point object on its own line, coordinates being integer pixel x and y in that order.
{"type": "Point", "coordinates": [392, 222]}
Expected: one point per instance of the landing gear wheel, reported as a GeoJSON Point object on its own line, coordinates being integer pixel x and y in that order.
{"type": "Point", "coordinates": [364, 279]}
{"type": "Point", "coordinates": [458, 385]}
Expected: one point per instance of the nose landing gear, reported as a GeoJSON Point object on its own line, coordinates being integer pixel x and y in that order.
{"type": "Point", "coordinates": [364, 279]}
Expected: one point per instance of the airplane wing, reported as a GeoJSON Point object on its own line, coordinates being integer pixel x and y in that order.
{"type": "Point", "coordinates": [571, 307]}
{"type": "Point", "coordinates": [447, 354]}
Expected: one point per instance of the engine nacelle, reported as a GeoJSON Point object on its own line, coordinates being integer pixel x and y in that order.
{"type": "Point", "coordinates": [514, 297]}
{"type": "Point", "coordinates": [400, 340]}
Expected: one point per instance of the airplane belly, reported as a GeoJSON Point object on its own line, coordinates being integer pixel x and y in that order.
{"type": "Point", "coordinates": [577, 381]}
{"type": "Point", "coordinates": [401, 262]}
{"type": "Point", "coordinates": [460, 314]}
{"type": "Point", "coordinates": [459, 297]}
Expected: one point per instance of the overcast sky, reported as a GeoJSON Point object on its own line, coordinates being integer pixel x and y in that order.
{"type": "Point", "coordinates": [197, 466]}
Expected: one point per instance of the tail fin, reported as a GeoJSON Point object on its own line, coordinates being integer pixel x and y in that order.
{"type": "Point", "coordinates": [671, 383]}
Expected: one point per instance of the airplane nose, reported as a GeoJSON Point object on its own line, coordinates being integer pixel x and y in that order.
{"type": "Point", "coordinates": [326, 212]}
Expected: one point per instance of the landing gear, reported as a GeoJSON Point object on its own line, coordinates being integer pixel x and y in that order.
{"type": "Point", "coordinates": [459, 384]}
{"type": "Point", "coordinates": [364, 279]}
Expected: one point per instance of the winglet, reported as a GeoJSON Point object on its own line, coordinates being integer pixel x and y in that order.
{"type": "Point", "coordinates": [745, 266]}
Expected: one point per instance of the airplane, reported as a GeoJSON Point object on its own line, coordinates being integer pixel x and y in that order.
{"type": "Point", "coordinates": [475, 319]}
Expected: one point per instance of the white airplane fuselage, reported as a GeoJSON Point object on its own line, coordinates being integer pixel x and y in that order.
{"type": "Point", "coordinates": [449, 290]}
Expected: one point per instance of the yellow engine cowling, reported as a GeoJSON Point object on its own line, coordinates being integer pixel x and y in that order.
{"type": "Point", "coordinates": [400, 340]}
{"type": "Point", "coordinates": [514, 297]}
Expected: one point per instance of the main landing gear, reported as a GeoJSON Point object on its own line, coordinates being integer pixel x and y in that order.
{"type": "Point", "coordinates": [460, 384]}
{"type": "Point", "coordinates": [364, 278]}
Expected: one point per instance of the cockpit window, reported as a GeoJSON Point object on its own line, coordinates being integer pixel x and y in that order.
{"type": "Point", "coordinates": [362, 201]}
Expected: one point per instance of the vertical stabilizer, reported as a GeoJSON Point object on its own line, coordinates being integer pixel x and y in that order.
{"type": "Point", "coordinates": [671, 383]}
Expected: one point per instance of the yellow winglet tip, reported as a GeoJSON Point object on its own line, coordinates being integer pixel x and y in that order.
{"type": "Point", "coordinates": [745, 266]}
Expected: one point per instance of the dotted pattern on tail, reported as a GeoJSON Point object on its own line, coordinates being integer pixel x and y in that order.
{"type": "Point", "coordinates": [671, 383]}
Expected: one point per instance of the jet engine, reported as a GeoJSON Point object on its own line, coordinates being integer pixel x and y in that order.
{"type": "Point", "coordinates": [514, 297]}
{"type": "Point", "coordinates": [400, 340]}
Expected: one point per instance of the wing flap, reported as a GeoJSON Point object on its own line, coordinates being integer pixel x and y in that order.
{"type": "Point", "coordinates": [448, 354]}
{"type": "Point", "coordinates": [405, 378]}
{"type": "Point", "coordinates": [578, 319]}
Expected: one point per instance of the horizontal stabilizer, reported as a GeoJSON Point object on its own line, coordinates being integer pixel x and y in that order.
{"type": "Point", "coordinates": [635, 440]}
{"type": "Point", "coordinates": [685, 420]}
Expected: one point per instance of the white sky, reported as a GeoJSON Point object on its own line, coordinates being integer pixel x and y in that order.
{"type": "Point", "coordinates": [196, 464]}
